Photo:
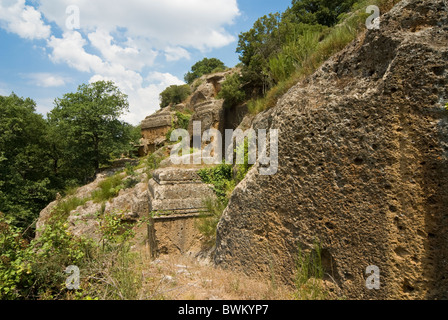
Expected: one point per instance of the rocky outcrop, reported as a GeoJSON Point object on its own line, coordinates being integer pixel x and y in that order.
{"type": "Point", "coordinates": [131, 205]}
{"type": "Point", "coordinates": [154, 130]}
{"type": "Point", "coordinates": [211, 116]}
{"type": "Point", "coordinates": [208, 87]}
{"type": "Point", "coordinates": [363, 167]}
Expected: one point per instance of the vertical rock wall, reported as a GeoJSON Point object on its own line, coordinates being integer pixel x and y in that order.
{"type": "Point", "coordinates": [363, 156]}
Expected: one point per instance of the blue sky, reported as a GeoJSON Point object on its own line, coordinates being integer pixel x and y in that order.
{"type": "Point", "coordinates": [143, 46]}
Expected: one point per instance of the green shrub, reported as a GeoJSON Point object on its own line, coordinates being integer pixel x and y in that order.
{"type": "Point", "coordinates": [183, 120]}
{"type": "Point", "coordinates": [310, 273]}
{"type": "Point", "coordinates": [130, 170]}
{"type": "Point", "coordinates": [114, 230]}
{"type": "Point", "coordinates": [174, 95]}
{"type": "Point", "coordinates": [294, 52]}
{"type": "Point", "coordinates": [108, 188]}
{"type": "Point", "coordinates": [221, 177]}
{"type": "Point", "coordinates": [14, 267]}
{"type": "Point", "coordinates": [231, 91]}
{"type": "Point", "coordinates": [67, 205]}
{"type": "Point", "coordinates": [303, 56]}
{"type": "Point", "coordinates": [243, 168]}
{"type": "Point", "coordinates": [36, 270]}
{"type": "Point", "coordinates": [203, 67]}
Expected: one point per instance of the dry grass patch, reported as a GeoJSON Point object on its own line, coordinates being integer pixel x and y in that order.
{"type": "Point", "coordinates": [184, 278]}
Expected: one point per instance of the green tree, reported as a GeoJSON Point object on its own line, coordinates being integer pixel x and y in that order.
{"type": "Point", "coordinates": [231, 90]}
{"type": "Point", "coordinates": [205, 66]}
{"type": "Point", "coordinates": [26, 184]}
{"type": "Point", "coordinates": [256, 46]}
{"type": "Point", "coordinates": [323, 12]}
{"type": "Point", "coordinates": [174, 95]}
{"type": "Point", "coordinates": [87, 132]}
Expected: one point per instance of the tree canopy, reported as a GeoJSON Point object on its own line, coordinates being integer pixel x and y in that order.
{"type": "Point", "coordinates": [174, 95]}
{"type": "Point", "coordinates": [205, 66]}
{"type": "Point", "coordinates": [25, 178]}
{"type": "Point", "coordinates": [323, 12]}
{"type": "Point", "coordinates": [40, 157]}
{"type": "Point", "coordinates": [89, 121]}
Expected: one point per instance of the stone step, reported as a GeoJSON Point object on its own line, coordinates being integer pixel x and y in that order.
{"type": "Point", "coordinates": [178, 191]}
{"type": "Point", "coordinates": [176, 176]}
{"type": "Point", "coordinates": [171, 206]}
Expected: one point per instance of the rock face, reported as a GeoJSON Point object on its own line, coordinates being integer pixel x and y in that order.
{"type": "Point", "coordinates": [210, 114]}
{"type": "Point", "coordinates": [176, 200]}
{"type": "Point", "coordinates": [208, 88]}
{"type": "Point", "coordinates": [154, 130]}
{"type": "Point", "coordinates": [131, 204]}
{"type": "Point", "coordinates": [363, 169]}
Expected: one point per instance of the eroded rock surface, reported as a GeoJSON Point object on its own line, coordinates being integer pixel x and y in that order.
{"type": "Point", "coordinates": [176, 200]}
{"type": "Point", "coordinates": [363, 156]}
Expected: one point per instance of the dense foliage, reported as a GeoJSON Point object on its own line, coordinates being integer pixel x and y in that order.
{"type": "Point", "coordinates": [174, 95]}
{"type": "Point", "coordinates": [280, 48]}
{"type": "Point", "coordinates": [27, 182]}
{"type": "Point", "coordinates": [86, 127]}
{"type": "Point", "coordinates": [40, 157]}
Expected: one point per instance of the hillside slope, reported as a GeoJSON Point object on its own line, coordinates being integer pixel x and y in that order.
{"type": "Point", "coordinates": [363, 168]}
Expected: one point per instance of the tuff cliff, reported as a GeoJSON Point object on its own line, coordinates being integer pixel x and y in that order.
{"type": "Point", "coordinates": [363, 169]}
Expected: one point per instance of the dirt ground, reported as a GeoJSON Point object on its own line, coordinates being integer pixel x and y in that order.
{"type": "Point", "coordinates": [186, 278]}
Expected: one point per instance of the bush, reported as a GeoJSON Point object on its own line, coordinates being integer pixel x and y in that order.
{"type": "Point", "coordinates": [108, 188]}
{"type": "Point", "coordinates": [305, 55]}
{"type": "Point", "coordinates": [174, 95]}
{"type": "Point", "coordinates": [310, 274]}
{"type": "Point", "coordinates": [183, 120]}
{"type": "Point", "coordinates": [231, 91]}
{"type": "Point", "coordinates": [13, 265]}
{"type": "Point", "coordinates": [203, 67]}
{"type": "Point", "coordinates": [243, 168]}
{"type": "Point", "coordinates": [221, 177]}
{"type": "Point", "coordinates": [35, 271]}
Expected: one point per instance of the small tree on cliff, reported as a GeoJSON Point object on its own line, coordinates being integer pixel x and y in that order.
{"type": "Point", "coordinates": [205, 66]}
{"type": "Point", "coordinates": [174, 95]}
{"type": "Point", "coordinates": [87, 123]}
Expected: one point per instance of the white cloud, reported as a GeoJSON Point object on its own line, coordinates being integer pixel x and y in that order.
{"type": "Point", "coordinates": [143, 99]}
{"type": "Point", "coordinates": [44, 105]}
{"type": "Point", "coordinates": [3, 90]}
{"type": "Point", "coordinates": [188, 23]}
{"type": "Point", "coordinates": [176, 53]}
{"type": "Point", "coordinates": [70, 49]}
{"type": "Point", "coordinates": [143, 92]}
{"type": "Point", "coordinates": [23, 20]}
{"type": "Point", "coordinates": [130, 57]}
{"type": "Point", "coordinates": [47, 80]}
{"type": "Point", "coordinates": [120, 41]}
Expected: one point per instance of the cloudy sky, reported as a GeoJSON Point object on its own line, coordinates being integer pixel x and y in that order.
{"type": "Point", "coordinates": [50, 47]}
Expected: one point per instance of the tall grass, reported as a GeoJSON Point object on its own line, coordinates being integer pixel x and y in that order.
{"type": "Point", "coordinates": [309, 276]}
{"type": "Point", "coordinates": [64, 207]}
{"type": "Point", "coordinates": [108, 188]}
{"type": "Point", "coordinates": [302, 56]}
{"type": "Point", "coordinates": [208, 223]}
